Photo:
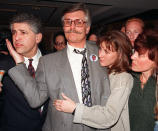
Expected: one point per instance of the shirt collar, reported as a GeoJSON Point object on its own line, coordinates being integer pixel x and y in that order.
{"type": "Point", "coordinates": [35, 57]}
{"type": "Point", "coordinates": [71, 48]}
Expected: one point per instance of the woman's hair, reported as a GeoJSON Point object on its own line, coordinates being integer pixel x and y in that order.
{"type": "Point", "coordinates": [148, 42]}
{"type": "Point", "coordinates": [119, 42]}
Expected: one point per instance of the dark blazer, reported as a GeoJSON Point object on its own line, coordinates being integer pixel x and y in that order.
{"type": "Point", "coordinates": [54, 76]}
{"type": "Point", "coordinates": [17, 115]}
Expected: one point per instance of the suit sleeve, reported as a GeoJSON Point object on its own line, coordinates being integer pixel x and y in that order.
{"type": "Point", "coordinates": [106, 116]}
{"type": "Point", "coordinates": [34, 89]}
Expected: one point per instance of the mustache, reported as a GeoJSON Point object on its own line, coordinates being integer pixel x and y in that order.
{"type": "Point", "coordinates": [73, 31]}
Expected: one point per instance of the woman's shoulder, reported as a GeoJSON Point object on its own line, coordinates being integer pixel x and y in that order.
{"type": "Point", "coordinates": [121, 80]}
{"type": "Point", "coordinates": [122, 76]}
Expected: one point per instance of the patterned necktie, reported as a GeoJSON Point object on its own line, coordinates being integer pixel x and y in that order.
{"type": "Point", "coordinates": [85, 84]}
{"type": "Point", "coordinates": [31, 69]}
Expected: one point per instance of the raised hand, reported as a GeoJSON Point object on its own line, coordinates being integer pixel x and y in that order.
{"type": "Point", "coordinates": [17, 57]}
{"type": "Point", "coordinates": [66, 105]}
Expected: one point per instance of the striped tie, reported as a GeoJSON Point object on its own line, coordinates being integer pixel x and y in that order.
{"type": "Point", "coordinates": [31, 69]}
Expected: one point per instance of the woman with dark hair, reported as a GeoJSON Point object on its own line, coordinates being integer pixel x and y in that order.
{"type": "Point", "coordinates": [144, 95]}
{"type": "Point", "coordinates": [114, 52]}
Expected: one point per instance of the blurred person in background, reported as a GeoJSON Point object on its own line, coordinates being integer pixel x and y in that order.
{"type": "Point", "coordinates": [59, 41]}
{"type": "Point", "coordinates": [92, 37]}
{"type": "Point", "coordinates": [133, 27]}
{"type": "Point", "coordinates": [4, 34]}
{"type": "Point", "coordinates": [4, 55]}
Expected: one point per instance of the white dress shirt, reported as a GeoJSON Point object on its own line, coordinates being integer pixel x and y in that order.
{"type": "Point", "coordinates": [75, 63]}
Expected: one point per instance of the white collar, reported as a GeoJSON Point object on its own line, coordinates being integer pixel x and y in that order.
{"type": "Point", "coordinates": [35, 57]}
{"type": "Point", "coordinates": [71, 48]}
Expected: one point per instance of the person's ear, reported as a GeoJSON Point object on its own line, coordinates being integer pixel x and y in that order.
{"type": "Point", "coordinates": [38, 37]}
{"type": "Point", "coordinates": [87, 29]}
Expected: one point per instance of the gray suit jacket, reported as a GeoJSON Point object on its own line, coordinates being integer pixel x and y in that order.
{"type": "Point", "coordinates": [54, 76]}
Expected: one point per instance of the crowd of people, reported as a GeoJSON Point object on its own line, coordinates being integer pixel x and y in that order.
{"type": "Point", "coordinates": [108, 82]}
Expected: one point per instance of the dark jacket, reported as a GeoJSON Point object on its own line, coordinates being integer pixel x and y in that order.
{"type": "Point", "coordinates": [17, 115]}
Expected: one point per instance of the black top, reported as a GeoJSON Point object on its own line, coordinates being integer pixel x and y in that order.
{"type": "Point", "coordinates": [141, 105]}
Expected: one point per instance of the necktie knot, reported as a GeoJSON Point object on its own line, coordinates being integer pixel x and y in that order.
{"type": "Point", "coordinates": [30, 61]}
{"type": "Point", "coordinates": [80, 52]}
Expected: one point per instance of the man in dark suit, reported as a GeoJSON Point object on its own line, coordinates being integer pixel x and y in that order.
{"type": "Point", "coordinates": [17, 115]}
{"type": "Point", "coordinates": [61, 72]}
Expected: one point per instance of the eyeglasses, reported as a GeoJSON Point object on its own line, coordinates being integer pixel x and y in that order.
{"type": "Point", "coordinates": [77, 22]}
{"type": "Point", "coordinates": [59, 43]}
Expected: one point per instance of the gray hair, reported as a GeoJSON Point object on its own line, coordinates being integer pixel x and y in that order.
{"type": "Point", "coordinates": [78, 7]}
{"type": "Point", "coordinates": [31, 20]}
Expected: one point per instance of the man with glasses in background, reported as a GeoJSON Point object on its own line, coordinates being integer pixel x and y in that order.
{"type": "Point", "coordinates": [73, 71]}
{"type": "Point", "coordinates": [59, 41]}
{"type": "Point", "coordinates": [134, 27]}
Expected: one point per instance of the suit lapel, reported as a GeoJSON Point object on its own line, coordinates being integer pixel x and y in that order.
{"type": "Point", "coordinates": [94, 69]}
{"type": "Point", "coordinates": [68, 80]}
{"type": "Point", "coordinates": [91, 75]}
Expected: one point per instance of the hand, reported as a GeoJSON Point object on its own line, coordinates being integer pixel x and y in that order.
{"type": "Point", "coordinates": [17, 57]}
{"type": "Point", "coordinates": [66, 105]}
{"type": "Point", "coordinates": [1, 86]}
